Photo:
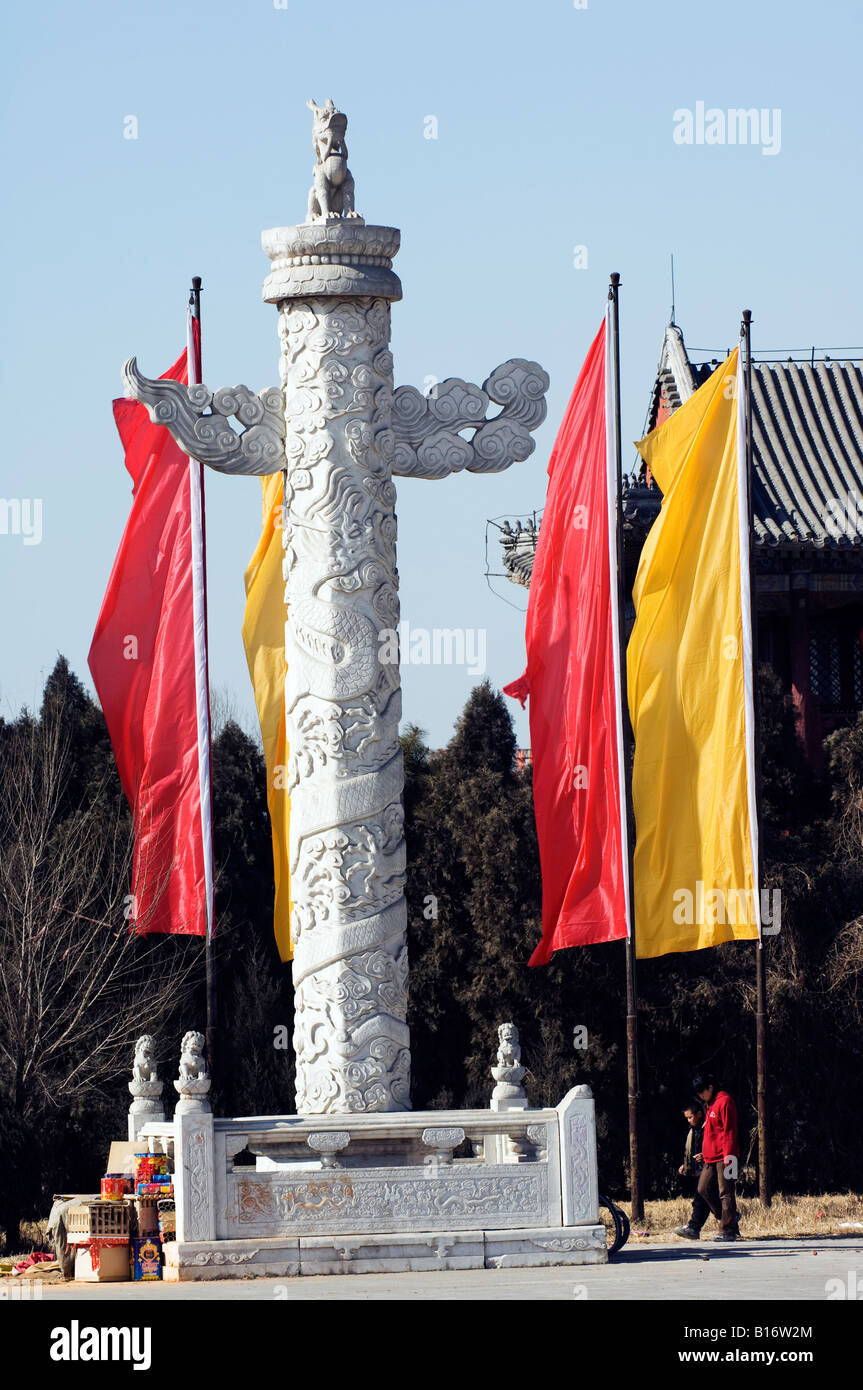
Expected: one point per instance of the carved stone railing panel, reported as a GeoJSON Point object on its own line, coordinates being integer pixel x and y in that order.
{"type": "Point", "coordinates": [267, 1205]}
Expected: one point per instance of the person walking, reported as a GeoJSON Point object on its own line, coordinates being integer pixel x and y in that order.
{"type": "Point", "coordinates": [720, 1155]}
{"type": "Point", "coordinates": [690, 1170]}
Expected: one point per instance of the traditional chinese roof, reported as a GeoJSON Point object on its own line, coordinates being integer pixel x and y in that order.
{"type": "Point", "coordinates": [676, 377]}
{"type": "Point", "coordinates": [807, 437]}
{"type": "Point", "coordinates": [518, 542]}
{"type": "Point", "coordinates": [807, 430]}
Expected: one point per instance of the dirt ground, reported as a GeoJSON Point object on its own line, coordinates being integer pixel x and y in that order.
{"type": "Point", "coordinates": [827, 1215]}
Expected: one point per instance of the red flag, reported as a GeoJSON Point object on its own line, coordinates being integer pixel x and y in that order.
{"type": "Point", "coordinates": [572, 678]}
{"type": "Point", "coordinates": [148, 663]}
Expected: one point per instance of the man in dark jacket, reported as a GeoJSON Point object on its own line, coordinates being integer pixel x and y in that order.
{"type": "Point", "coordinates": [720, 1154]}
{"type": "Point", "coordinates": [690, 1170]}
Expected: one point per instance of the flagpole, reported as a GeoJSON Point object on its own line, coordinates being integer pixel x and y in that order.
{"type": "Point", "coordinates": [761, 1021]}
{"type": "Point", "coordinates": [635, 1185]}
{"type": "Point", "coordinates": [195, 373]}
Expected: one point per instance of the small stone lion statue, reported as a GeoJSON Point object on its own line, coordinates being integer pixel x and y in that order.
{"type": "Point", "coordinates": [332, 194]}
{"type": "Point", "coordinates": [508, 1050]}
{"type": "Point", "coordinates": [144, 1065]}
{"type": "Point", "coordinates": [192, 1064]}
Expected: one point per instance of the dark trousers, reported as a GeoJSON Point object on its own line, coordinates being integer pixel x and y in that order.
{"type": "Point", "coordinates": [700, 1209]}
{"type": "Point", "coordinates": [717, 1193]}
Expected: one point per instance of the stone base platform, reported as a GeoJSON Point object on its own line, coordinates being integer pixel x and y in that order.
{"type": "Point", "coordinates": [384, 1254]}
{"type": "Point", "coordinates": [286, 1195]}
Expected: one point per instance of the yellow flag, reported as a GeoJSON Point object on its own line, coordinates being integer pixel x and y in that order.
{"type": "Point", "coordinates": [264, 640]}
{"type": "Point", "coordinates": [690, 677]}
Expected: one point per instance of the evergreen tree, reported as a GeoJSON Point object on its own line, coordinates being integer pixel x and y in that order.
{"type": "Point", "coordinates": [474, 905]}
{"type": "Point", "coordinates": [472, 851]}
{"type": "Point", "coordinates": [253, 1069]}
{"type": "Point", "coordinates": [474, 916]}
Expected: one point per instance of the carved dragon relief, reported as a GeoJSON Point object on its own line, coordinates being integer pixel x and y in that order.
{"type": "Point", "coordinates": [342, 707]}
{"type": "Point", "coordinates": [428, 430]}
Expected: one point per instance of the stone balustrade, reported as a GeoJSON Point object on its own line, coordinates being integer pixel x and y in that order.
{"type": "Point", "coordinates": [292, 1194]}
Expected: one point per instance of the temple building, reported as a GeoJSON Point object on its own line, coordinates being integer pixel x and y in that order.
{"type": "Point", "coordinates": [807, 418]}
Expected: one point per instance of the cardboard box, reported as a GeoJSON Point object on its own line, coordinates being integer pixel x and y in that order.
{"type": "Point", "coordinates": [121, 1158]}
{"type": "Point", "coordinates": [102, 1262]}
{"type": "Point", "coordinates": [147, 1213]}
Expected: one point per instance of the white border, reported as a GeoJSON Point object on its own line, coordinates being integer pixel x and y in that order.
{"type": "Point", "coordinates": [743, 485]}
{"type": "Point", "coordinates": [613, 522]}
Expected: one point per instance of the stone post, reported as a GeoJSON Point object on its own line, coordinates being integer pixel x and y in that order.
{"type": "Point", "coordinates": [194, 1175]}
{"type": "Point", "coordinates": [332, 283]}
{"type": "Point", "coordinates": [145, 1089]}
{"type": "Point", "coordinates": [508, 1094]}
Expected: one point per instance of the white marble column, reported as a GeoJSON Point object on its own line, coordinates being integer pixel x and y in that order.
{"type": "Point", "coordinates": [332, 282]}
{"type": "Point", "coordinates": [339, 433]}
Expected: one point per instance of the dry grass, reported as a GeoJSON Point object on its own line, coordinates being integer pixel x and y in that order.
{"type": "Point", "coordinates": [786, 1216]}
{"type": "Point", "coordinates": [35, 1233]}
{"type": "Point", "coordinates": [32, 1236]}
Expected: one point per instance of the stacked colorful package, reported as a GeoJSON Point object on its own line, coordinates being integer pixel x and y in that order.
{"type": "Point", "coordinates": [147, 1258]}
{"type": "Point", "coordinates": [152, 1178]}
{"type": "Point", "coordinates": [167, 1220]}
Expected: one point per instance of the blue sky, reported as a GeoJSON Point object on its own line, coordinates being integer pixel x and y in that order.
{"type": "Point", "coordinates": [554, 129]}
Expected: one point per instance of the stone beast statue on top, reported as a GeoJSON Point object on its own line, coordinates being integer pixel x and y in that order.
{"type": "Point", "coordinates": [332, 194]}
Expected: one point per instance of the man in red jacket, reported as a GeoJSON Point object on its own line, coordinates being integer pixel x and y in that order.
{"type": "Point", "coordinates": [720, 1155]}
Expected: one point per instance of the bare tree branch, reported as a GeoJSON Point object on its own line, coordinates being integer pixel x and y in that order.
{"type": "Point", "coordinates": [77, 984]}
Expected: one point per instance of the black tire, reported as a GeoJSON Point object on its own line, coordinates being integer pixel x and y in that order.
{"type": "Point", "coordinates": [618, 1230]}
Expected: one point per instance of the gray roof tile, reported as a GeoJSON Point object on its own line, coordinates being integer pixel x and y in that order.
{"type": "Point", "coordinates": [807, 434]}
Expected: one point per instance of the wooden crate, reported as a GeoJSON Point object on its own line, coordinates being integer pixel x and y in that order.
{"type": "Point", "coordinates": [147, 1216]}
{"type": "Point", "coordinates": [92, 1220]}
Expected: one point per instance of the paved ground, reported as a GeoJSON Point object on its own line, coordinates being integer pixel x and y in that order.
{"type": "Point", "coordinates": [790, 1270]}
